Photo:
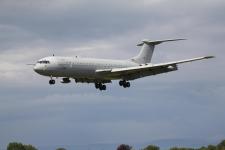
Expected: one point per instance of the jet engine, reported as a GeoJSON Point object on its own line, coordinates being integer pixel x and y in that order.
{"type": "Point", "coordinates": [65, 80]}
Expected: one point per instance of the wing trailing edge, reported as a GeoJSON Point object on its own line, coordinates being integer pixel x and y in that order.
{"type": "Point", "coordinates": [131, 73]}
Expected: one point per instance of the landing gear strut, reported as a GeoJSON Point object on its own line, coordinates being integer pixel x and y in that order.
{"type": "Point", "coordinates": [100, 86]}
{"type": "Point", "coordinates": [124, 83]}
{"type": "Point", "coordinates": [51, 81]}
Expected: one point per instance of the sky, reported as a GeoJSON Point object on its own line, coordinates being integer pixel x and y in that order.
{"type": "Point", "coordinates": [185, 104]}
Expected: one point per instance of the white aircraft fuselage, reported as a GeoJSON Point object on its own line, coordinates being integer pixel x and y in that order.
{"type": "Point", "coordinates": [101, 71]}
{"type": "Point", "coordinates": [79, 68]}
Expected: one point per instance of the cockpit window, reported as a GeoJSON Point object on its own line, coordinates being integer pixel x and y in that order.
{"type": "Point", "coordinates": [44, 62]}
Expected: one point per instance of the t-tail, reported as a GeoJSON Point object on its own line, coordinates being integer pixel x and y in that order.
{"type": "Point", "coordinates": [147, 49]}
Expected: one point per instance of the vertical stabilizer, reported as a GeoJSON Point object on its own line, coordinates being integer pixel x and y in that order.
{"type": "Point", "coordinates": [145, 55]}
{"type": "Point", "coordinates": [147, 49]}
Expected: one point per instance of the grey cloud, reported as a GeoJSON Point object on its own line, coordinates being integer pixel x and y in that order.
{"type": "Point", "coordinates": [86, 21]}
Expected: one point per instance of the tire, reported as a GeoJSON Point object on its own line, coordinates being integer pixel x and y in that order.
{"type": "Point", "coordinates": [121, 83]}
{"type": "Point", "coordinates": [128, 84]}
{"type": "Point", "coordinates": [97, 86]}
{"type": "Point", "coordinates": [124, 85]}
{"type": "Point", "coordinates": [51, 82]}
{"type": "Point", "coordinates": [103, 87]}
{"type": "Point", "coordinates": [100, 88]}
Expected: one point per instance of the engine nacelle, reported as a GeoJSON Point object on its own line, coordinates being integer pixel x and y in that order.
{"type": "Point", "coordinates": [65, 80]}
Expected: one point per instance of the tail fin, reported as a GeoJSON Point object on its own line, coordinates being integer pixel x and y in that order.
{"type": "Point", "coordinates": [145, 55]}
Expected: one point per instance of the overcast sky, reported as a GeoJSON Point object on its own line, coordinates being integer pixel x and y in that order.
{"type": "Point", "coordinates": [186, 104]}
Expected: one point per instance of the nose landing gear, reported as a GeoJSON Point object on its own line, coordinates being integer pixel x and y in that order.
{"type": "Point", "coordinates": [51, 81]}
{"type": "Point", "coordinates": [124, 83]}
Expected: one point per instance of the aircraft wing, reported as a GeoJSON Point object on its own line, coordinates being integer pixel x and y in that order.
{"type": "Point", "coordinates": [131, 73]}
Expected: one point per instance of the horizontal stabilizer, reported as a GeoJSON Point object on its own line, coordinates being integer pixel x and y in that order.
{"type": "Point", "coordinates": [148, 42]}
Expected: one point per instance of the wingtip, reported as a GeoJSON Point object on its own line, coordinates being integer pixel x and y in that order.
{"type": "Point", "coordinates": [180, 39]}
{"type": "Point", "coordinates": [208, 57]}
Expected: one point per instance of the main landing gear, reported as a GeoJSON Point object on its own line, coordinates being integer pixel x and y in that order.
{"type": "Point", "coordinates": [51, 81]}
{"type": "Point", "coordinates": [100, 86]}
{"type": "Point", "coordinates": [124, 83]}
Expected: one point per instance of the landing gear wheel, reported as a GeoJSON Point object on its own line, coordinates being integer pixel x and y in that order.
{"type": "Point", "coordinates": [124, 83]}
{"type": "Point", "coordinates": [124, 86]}
{"type": "Point", "coordinates": [97, 85]}
{"type": "Point", "coordinates": [103, 87]}
{"type": "Point", "coordinates": [128, 84]}
{"type": "Point", "coordinates": [100, 86]}
{"type": "Point", "coordinates": [51, 82]}
{"type": "Point", "coordinates": [121, 83]}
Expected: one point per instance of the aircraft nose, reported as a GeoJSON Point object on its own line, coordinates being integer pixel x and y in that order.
{"type": "Point", "coordinates": [37, 69]}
